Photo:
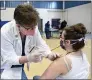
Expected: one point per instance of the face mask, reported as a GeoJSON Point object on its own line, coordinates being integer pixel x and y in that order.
{"type": "Point", "coordinates": [77, 40]}
{"type": "Point", "coordinates": [61, 44]}
{"type": "Point", "coordinates": [27, 32]}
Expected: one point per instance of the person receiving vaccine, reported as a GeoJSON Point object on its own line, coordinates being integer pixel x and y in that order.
{"type": "Point", "coordinates": [74, 64]}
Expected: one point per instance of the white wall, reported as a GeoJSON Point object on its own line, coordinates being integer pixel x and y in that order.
{"type": "Point", "coordinates": [7, 15]}
{"type": "Point", "coordinates": [81, 14]}
{"type": "Point", "coordinates": [72, 15]}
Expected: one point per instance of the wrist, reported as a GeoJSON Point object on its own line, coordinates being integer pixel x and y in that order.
{"type": "Point", "coordinates": [23, 59]}
{"type": "Point", "coordinates": [28, 58]}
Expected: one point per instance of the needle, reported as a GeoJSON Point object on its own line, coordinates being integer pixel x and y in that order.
{"type": "Point", "coordinates": [31, 49]}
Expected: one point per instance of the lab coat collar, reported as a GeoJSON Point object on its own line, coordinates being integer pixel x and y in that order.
{"type": "Point", "coordinates": [16, 30]}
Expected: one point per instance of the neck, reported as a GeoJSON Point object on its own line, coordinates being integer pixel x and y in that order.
{"type": "Point", "coordinates": [77, 53]}
{"type": "Point", "coordinates": [70, 50]}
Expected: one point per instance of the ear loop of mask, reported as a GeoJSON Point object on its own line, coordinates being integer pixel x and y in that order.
{"type": "Point", "coordinates": [83, 38]}
{"type": "Point", "coordinates": [78, 40]}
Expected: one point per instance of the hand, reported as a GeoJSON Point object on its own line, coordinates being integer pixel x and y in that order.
{"type": "Point", "coordinates": [53, 56]}
{"type": "Point", "coordinates": [35, 56]}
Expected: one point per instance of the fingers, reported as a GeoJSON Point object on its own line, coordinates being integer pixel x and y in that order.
{"type": "Point", "coordinates": [58, 55]}
{"type": "Point", "coordinates": [34, 57]}
{"type": "Point", "coordinates": [38, 55]}
{"type": "Point", "coordinates": [38, 59]}
{"type": "Point", "coordinates": [54, 56]}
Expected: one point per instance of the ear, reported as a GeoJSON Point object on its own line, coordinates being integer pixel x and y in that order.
{"type": "Point", "coordinates": [67, 41]}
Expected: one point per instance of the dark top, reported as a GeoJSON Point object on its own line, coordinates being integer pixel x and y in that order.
{"type": "Point", "coordinates": [63, 24]}
{"type": "Point", "coordinates": [47, 27]}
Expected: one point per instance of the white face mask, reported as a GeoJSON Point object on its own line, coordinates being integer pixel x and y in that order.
{"type": "Point", "coordinates": [78, 40]}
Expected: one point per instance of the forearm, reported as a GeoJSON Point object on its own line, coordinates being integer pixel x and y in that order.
{"type": "Point", "coordinates": [23, 59]}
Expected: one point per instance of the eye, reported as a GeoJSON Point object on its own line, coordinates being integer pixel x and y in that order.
{"type": "Point", "coordinates": [27, 28]}
{"type": "Point", "coordinates": [33, 28]}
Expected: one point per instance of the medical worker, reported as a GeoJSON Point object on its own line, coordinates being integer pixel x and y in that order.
{"type": "Point", "coordinates": [21, 43]}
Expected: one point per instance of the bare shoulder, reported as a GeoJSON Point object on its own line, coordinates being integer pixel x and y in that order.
{"type": "Point", "coordinates": [63, 63]}
{"type": "Point", "coordinates": [55, 69]}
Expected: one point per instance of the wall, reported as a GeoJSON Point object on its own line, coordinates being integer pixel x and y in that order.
{"type": "Point", "coordinates": [48, 14]}
{"type": "Point", "coordinates": [72, 15]}
{"type": "Point", "coordinates": [45, 14]}
{"type": "Point", "coordinates": [80, 14]}
{"type": "Point", "coordinates": [7, 14]}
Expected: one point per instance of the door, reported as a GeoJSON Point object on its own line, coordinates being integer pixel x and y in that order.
{"type": "Point", "coordinates": [40, 25]}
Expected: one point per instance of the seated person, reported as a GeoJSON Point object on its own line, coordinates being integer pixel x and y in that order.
{"type": "Point", "coordinates": [74, 64]}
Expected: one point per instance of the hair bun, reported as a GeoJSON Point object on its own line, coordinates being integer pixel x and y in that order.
{"type": "Point", "coordinates": [80, 29]}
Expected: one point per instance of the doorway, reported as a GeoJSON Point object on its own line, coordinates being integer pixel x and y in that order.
{"type": "Point", "coordinates": [40, 25]}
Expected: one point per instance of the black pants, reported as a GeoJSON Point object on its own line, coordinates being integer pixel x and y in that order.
{"type": "Point", "coordinates": [48, 34]}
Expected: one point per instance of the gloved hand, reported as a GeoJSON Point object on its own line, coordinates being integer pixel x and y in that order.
{"type": "Point", "coordinates": [35, 55]}
{"type": "Point", "coordinates": [53, 56]}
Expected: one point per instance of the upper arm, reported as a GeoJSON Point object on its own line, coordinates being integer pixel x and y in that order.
{"type": "Point", "coordinates": [54, 70]}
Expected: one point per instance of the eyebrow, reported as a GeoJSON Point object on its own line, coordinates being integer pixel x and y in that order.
{"type": "Point", "coordinates": [27, 28]}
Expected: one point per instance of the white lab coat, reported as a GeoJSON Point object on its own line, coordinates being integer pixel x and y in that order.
{"type": "Point", "coordinates": [11, 49]}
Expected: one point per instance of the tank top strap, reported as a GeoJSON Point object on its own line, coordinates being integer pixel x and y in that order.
{"type": "Point", "coordinates": [66, 63]}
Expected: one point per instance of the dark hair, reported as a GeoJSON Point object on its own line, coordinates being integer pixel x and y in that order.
{"type": "Point", "coordinates": [76, 32]}
{"type": "Point", "coordinates": [25, 14]}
